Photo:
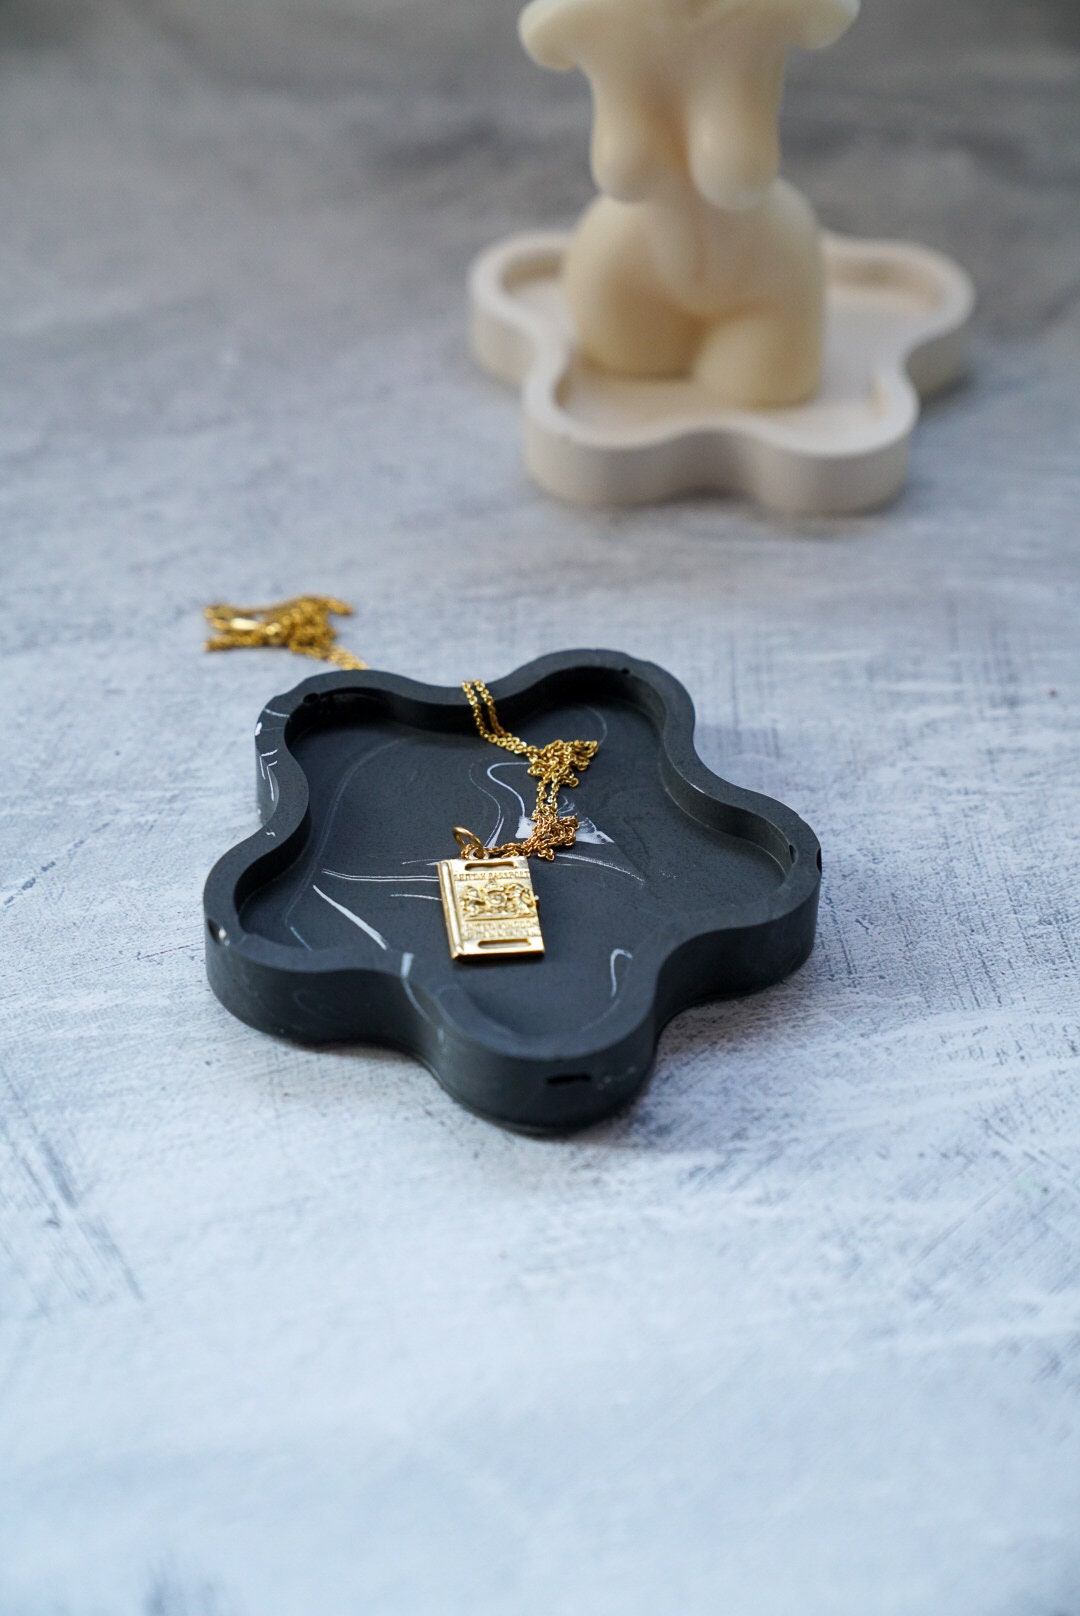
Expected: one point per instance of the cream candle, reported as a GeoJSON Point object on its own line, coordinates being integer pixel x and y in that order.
{"type": "Point", "coordinates": [698, 259]}
{"type": "Point", "coordinates": [698, 330]}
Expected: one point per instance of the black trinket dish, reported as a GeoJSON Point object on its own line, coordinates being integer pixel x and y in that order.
{"type": "Point", "coordinates": [326, 925]}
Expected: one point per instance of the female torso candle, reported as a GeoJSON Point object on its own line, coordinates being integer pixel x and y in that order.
{"type": "Point", "coordinates": [698, 259]}
{"type": "Point", "coordinates": [698, 330]}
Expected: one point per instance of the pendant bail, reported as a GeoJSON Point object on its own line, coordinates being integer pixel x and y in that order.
{"type": "Point", "coordinates": [471, 845]}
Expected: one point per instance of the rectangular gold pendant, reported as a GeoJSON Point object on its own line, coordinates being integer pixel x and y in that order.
{"type": "Point", "coordinates": [489, 907]}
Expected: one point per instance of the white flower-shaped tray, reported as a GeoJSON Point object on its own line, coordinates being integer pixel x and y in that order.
{"type": "Point", "coordinates": [897, 317]}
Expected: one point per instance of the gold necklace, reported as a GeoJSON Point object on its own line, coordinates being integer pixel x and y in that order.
{"type": "Point", "coordinates": [489, 904]}
{"type": "Point", "coordinates": [302, 625]}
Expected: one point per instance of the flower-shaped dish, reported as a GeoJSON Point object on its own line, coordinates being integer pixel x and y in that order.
{"type": "Point", "coordinates": [896, 322]}
{"type": "Point", "coordinates": [326, 924]}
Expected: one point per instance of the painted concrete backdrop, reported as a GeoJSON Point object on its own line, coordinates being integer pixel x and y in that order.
{"type": "Point", "coordinates": [286, 1333]}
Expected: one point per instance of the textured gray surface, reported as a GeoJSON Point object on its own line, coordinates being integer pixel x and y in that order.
{"type": "Point", "coordinates": [284, 1333]}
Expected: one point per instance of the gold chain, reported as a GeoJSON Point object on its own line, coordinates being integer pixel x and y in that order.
{"type": "Point", "coordinates": [553, 766]}
{"type": "Point", "coordinates": [303, 625]}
